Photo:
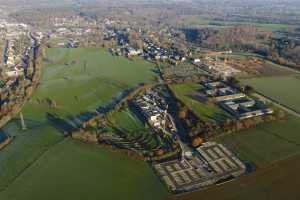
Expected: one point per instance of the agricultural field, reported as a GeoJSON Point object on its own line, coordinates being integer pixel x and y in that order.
{"type": "Point", "coordinates": [74, 81]}
{"type": "Point", "coordinates": [80, 80]}
{"type": "Point", "coordinates": [200, 22]}
{"type": "Point", "coordinates": [267, 143]}
{"type": "Point", "coordinates": [62, 172]}
{"type": "Point", "coordinates": [283, 89]}
{"type": "Point", "coordinates": [205, 111]}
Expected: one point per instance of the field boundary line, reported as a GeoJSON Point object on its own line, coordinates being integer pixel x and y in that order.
{"type": "Point", "coordinates": [38, 157]}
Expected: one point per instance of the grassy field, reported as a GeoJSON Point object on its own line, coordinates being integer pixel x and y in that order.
{"type": "Point", "coordinates": [78, 80]}
{"type": "Point", "coordinates": [208, 112]}
{"type": "Point", "coordinates": [284, 89]}
{"type": "Point", "coordinates": [267, 143]}
{"type": "Point", "coordinates": [198, 22]}
{"type": "Point", "coordinates": [72, 170]}
{"type": "Point", "coordinates": [126, 121]}
{"type": "Point", "coordinates": [82, 79]}
{"type": "Point", "coordinates": [130, 125]}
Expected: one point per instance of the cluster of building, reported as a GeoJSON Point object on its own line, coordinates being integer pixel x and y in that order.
{"type": "Point", "coordinates": [209, 164]}
{"type": "Point", "coordinates": [149, 49]}
{"type": "Point", "coordinates": [124, 47]}
{"type": "Point", "coordinates": [218, 70]}
{"type": "Point", "coordinates": [154, 52]}
{"type": "Point", "coordinates": [68, 31]}
{"type": "Point", "coordinates": [71, 31]}
{"type": "Point", "coordinates": [127, 51]}
{"type": "Point", "coordinates": [17, 48]}
{"type": "Point", "coordinates": [72, 21]}
{"type": "Point", "coordinates": [70, 43]}
{"type": "Point", "coordinates": [110, 34]}
{"type": "Point", "coordinates": [235, 102]}
{"type": "Point", "coordinates": [154, 109]}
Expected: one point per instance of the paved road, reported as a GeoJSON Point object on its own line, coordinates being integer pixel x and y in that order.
{"type": "Point", "coordinates": [278, 104]}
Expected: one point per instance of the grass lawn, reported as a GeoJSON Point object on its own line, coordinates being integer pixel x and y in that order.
{"type": "Point", "coordinates": [126, 121]}
{"type": "Point", "coordinates": [130, 125]}
{"type": "Point", "coordinates": [208, 112]}
{"type": "Point", "coordinates": [78, 80]}
{"type": "Point", "coordinates": [283, 89]}
{"type": "Point", "coordinates": [72, 170]}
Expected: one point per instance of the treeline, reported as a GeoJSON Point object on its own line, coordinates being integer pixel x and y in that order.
{"type": "Point", "coordinates": [237, 38]}
{"type": "Point", "coordinates": [284, 51]}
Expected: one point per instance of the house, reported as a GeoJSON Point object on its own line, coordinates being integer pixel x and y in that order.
{"type": "Point", "coordinates": [221, 92]}
{"type": "Point", "coordinates": [133, 52]}
{"type": "Point", "coordinates": [196, 61]}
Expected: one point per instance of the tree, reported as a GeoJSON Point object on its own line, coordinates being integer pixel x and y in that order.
{"type": "Point", "coordinates": [233, 82]}
{"type": "Point", "coordinates": [197, 141]}
{"type": "Point", "coordinates": [248, 89]}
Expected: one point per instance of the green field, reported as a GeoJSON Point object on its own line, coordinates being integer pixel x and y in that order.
{"type": "Point", "coordinates": [267, 143]}
{"type": "Point", "coordinates": [199, 22]}
{"type": "Point", "coordinates": [205, 111]}
{"type": "Point", "coordinates": [72, 170]}
{"type": "Point", "coordinates": [83, 79]}
{"type": "Point", "coordinates": [77, 80]}
{"type": "Point", "coordinates": [127, 122]}
{"type": "Point", "coordinates": [283, 89]}
{"type": "Point", "coordinates": [41, 164]}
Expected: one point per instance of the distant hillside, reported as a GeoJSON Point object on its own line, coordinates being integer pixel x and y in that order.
{"type": "Point", "coordinates": [35, 3]}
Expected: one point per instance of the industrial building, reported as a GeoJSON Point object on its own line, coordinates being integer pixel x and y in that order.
{"type": "Point", "coordinates": [235, 102]}
{"type": "Point", "coordinates": [244, 108]}
{"type": "Point", "coordinates": [210, 164]}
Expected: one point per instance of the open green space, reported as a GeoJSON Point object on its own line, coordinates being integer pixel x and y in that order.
{"type": "Point", "coordinates": [57, 40]}
{"type": "Point", "coordinates": [133, 128]}
{"type": "Point", "coordinates": [267, 143]}
{"type": "Point", "coordinates": [80, 80]}
{"type": "Point", "coordinates": [200, 22]}
{"type": "Point", "coordinates": [283, 89]}
{"type": "Point", "coordinates": [205, 111]}
{"type": "Point", "coordinates": [127, 122]}
{"type": "Point", "coordinates": [72, 170]}
{"type": "Point", "coordinates": [74, 81]}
